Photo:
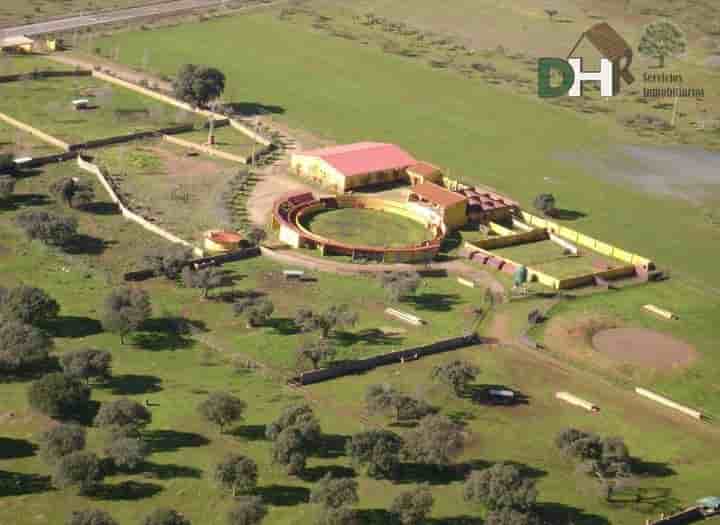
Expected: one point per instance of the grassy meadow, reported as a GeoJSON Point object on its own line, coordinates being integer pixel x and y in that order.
{"type": "Point", "coordinates": [341, 89]}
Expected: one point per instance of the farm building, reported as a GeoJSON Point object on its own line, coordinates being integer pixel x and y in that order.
{"type": "Point", "coordinates": [17, 44]}
{"type": "Point", "coordinates": [452, 205]}
{"type": "Point", "coordinates": [217, 241]}
{"type": "Point", "coordinates": [484, 206]}
{"type": "Point", "coordinates": [424, 172]}
{"type": "Point", "coordinates": [350, 166]}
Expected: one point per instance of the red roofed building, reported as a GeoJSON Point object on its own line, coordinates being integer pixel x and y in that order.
{"type": "Point", "coordinates": [452, 205]}
{"type": "Point", "coordinates": [353, 165]}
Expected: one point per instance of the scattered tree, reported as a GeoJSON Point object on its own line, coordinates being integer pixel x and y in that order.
{"type": "Point", "coordinates": [221, 409]}
{"type": "Point", "coordinates": [7, 186]}
{"type": "Point", "coordinates": [127, 453]}
{"type": "Point", "coordinates": [341, 516]}
{"type": "Point", "coordinates": [413, 507]}
{"type": "Point", "coordinates": [91, 517]}
{"type": "Point", "coordinates": [58, 396]}
{"type": "Point", "coordinates": [81, 469]}
{"type": "Point", "coordinates": [399, 285]}
{"type": "Point", "coordinates": [73, 192]}
{"type": "Point", "coordinates": [256, 310]}
{"type": "Point", "coordinates": [22, 347]}
{"type": "Point", "coordinates": [435, 441]}
{"type": "Point", "coordinates": [236, 473]}
{"type": "Point", "coordinates": [198, 85]}
{"type": "Point", "coordinates": [165, 517]}
{"type": "Point", "coordinates": [607, 459]}
{"type": "Point", "coordinates": [27, 304]}
{"type": "Point", "coordinates": [60, 441]}
{"type": "Point", "coordinates": [255, 236]}
{"type": "Point", "coordinates": [662, 39]}
{"type": "Point", "coordinates": [295, 434]}
{"type": "Point", "coordinates": [501, 486]}
{"type": "Point", "coordinates": [249, 510]}
{"type": "Point", "coordinates": [88, 364]}
{"type": "Point", "coordinates": [337, 316]}
{"type": "Point", "coordinates": [123, 417]}
{"type": "Point", "coordinates": [54, 230]}
{"type": "Point", "coordinates": [168, 260]}
{"type": "Point", "coordinates": [126, 309]}
{"type": "Point", "coordinates": [545, 203]}
{"type": "Point", "coordinates": [206, 278]}
{"type": "Point", "coordinates": [378, 449]}
{"type": "Point", "coordinates": [384, 398]}
{"type": "Point", "coordinates": [456, 375]}
{"type": "Point", "coordinates": [316, 352]}
{"type": "Point", "coordinates": [334, 493]}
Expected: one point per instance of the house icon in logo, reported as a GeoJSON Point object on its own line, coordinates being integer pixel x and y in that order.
{"type": "Point", "coordinates": [612, 47]}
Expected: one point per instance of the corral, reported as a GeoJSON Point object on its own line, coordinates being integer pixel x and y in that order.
{"type": "Point", "coordinates": [291, 212]}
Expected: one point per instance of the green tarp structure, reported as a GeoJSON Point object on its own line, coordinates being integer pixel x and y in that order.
{"type": "Point", "coordinates": [520, 276]}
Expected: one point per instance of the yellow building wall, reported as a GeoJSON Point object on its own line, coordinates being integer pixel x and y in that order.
{"type": "Point", "coordinates": [456, 216]}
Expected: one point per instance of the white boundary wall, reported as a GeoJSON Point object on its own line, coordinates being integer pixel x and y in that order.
{"type": "Point", "coordinates": [95, 170]}
{"type": "Point", "coordinates": [577, 401]}
{"type": "Point", "coordinates": [669, 403]}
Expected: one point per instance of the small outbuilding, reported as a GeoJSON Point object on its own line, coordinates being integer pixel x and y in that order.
{"type": "Point", "coordinates": [424, 172]}
{"type": "Point", "coordinates": [17, 44]}
{"type": "Point", "coordinates": [452, 205]}
{"type": "Point", "coordinates": [218, 241]}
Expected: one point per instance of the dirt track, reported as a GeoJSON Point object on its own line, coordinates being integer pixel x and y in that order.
{"type": "Point", "coordinates": [644, 347]}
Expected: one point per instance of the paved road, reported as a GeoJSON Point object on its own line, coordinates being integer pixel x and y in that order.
{"type": "Point", "coordinates": [120, 15]}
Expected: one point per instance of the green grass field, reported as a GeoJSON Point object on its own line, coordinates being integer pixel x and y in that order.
{"type": "Point", "coordinates": [47, 104]}
{"type": "Point", "coordinates": [22, 144]}
{"type": "Point", "coordinates": [548, 257]}
{"type": "Point", "coordinates": [347, 91]}
{"type": "Point", "coordinates": [227, 139]}
{"type": "Point", "coordinates": [20, 12]}
{"type": "Point", "coordinates": [367, 227]}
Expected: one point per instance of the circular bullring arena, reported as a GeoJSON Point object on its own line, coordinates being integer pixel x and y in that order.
{"type": "Point", "coordinates": [362, 227]}
{"type": "Point", "coordinates": [642, 347]}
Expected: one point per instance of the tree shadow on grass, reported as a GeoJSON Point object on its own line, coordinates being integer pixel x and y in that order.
{"type": "Point", "coordinates": [283, 325]}
{"type": "Point", "coordinates": [568, 215]}
{"type": "Point", "coordinates": [369, 336]}
{"type": "Point", "coordinates": [101, 208]}
{"type": "Point", "coordinates": [134, 384]}
{"type": "Point", "coordinates": [527, 471]}
{"type": "Point", "coordinates": [126, 491]}
{"type": "Point", "coordinates": [435, 302]}
{"type": "Point", "coordinates": [249, 109]}
{"type": "Point", "coordinates": [438, 474]}
{"type": "Point", "coordinates": [72, 326]}
{"type": "Point", "coordinates": [24, 200]}
{"type": "Point", "coordinates": [315, 474]}
{"type": "Point", "coordinates": [11, 448]}
{"type": "Point", "coordinates": [249, 432]}
{"type": "Point", "coordinates": [20, 484]}
{"type": "Point", "coordinates": [83, 244]}
{"type": "Point", "coordinates": [376, 517]}
{"type": "Point", "coordinates": [86, 416]}
{"type": "Point", "coordinates": [652, 469]}
{"type": "Point", "coordinates": [171, 440]}
{"type": "Point", "coordinates": [283, 495]}
{"type": "Point", "coordinates": [332, 446]}
{"type": "Point", "coordinates": [164, 471]}
{"type": "Point", "coordinates": [456, 520]}
{"type": "Point", "coordinates": [560, 514]}
{"type": "Point", "coordinates": [156, 341]}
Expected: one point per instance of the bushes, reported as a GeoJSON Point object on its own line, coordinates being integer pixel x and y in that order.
{"type": "Point", "coordinates": [58, 396]}
{"type": "Point", "coordinates": [22, 347]}
{"type": "Point", "coordinates": [54, 230]}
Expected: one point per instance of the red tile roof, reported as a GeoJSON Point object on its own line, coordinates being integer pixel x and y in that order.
{"type": "Point", "coordinates": [437, 194]}
{"type": "Point", "coordinates": [424, 169]}
{"type": "Point", "coordinates": [226, 237]}
{"type": "Point", "coordinates": [363, 157]}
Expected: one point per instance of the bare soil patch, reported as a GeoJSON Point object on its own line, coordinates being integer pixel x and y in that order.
{"type": "Point", "coordinates": [269, 188]}
{"type": "Point", "coordinates": [184, 166]}
{"type": "Point", "coordinates": [644, 347]}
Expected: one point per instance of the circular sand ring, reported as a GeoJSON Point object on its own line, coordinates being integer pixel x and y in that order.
{"type": "Point", "coordinates": [643, 347]}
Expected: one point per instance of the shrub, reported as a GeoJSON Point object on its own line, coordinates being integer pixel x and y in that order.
{"type": "Point", "coordinates": [58, 396]}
